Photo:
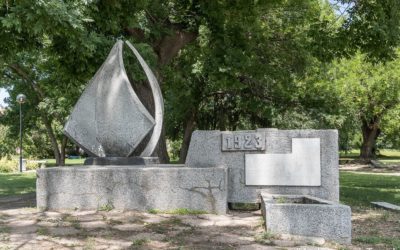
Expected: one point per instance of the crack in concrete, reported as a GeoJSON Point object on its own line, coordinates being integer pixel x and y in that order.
{"type": "Point", "coordinates": [208, 194]}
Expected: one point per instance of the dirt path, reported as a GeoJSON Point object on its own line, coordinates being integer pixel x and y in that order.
{"type": "Point", "coordinates": [368, 169]}
{"type": "Point", "coordinates": [23, 227]}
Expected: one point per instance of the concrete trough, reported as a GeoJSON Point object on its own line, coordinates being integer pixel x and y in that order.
{"type": "Point", "coordinates": [306, 216]}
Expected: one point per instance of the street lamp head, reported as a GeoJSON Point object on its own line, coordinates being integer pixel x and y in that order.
{"type": "Point", "coordinates": [21, 98]}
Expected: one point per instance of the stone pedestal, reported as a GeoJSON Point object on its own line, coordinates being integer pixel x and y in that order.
{"type": "Point", "coordinates": [162, 187]}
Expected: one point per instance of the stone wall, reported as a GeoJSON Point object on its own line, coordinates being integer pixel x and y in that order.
{"type": "Point", "coordinates": [165, 187]}
{"type": "Point", "coordinates": [207, 150]}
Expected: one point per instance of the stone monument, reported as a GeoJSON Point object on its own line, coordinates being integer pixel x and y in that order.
{"type": "Point", "coordinates": [109, 121]}
{"type": "Point", "coordinates": [293, 174]}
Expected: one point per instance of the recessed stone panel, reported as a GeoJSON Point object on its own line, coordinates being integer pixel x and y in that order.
{"type": "Point", "coordinates": [302, 167]}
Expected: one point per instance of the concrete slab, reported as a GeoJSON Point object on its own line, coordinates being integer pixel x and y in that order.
{"type": "Point", "coordinates": [386, 205]}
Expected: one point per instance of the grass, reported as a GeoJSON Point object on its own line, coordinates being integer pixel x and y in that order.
{"type": "Point", "coordinates": [266, 238]}
{"type": "Point", "coordinates": [73, 221]}
{"type": "Point", "coordinates": [386, 156]}
{"type": "Point", "coordinates": [68, 162]}
{"type": "Point", "coordinates": [360, 189]}
{"type": "Point", "coordinates": [106, 207]}
{"type": "Point", "coordinates": [139, 242]}
{"type": "Point", "coordinates": [42, 231]}
{"type": "Point", "coordinates": [374, 240]}
{"type": "Point", "coordinates": [14, 184]}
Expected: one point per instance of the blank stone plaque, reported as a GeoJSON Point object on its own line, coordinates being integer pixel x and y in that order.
{"type": "Point", "coordinates": [300, 168]}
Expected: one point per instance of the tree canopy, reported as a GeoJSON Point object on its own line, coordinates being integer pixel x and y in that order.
{"type": "Point", "coordinates": [222, 64]}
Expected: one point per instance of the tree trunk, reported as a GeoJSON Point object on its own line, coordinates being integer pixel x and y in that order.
{"type": "Point", "coordinates": [370, 132]}
{"type": "Point", "coordinates": [189, 128]}
{"type": "Point", "coordinates": [143, 90]}
{"type": "Point", "coordinates": [62, 150]}
{"type": "Point", "coordinates": [161, 149]}
{"type": "Point", "coordinates": [53, 140]}
{"type": "Point", "coordinates": [166, 48]}
{"type": "Point", "coordinates": [169, 46]}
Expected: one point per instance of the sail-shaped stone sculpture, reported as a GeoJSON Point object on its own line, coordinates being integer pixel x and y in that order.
{"type": "Point", "coordinates": [109, 120]}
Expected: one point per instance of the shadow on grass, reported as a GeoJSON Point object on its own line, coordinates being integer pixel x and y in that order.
{"type": "Point", "coordinates": [16, 184]}
{"type": "Point", "coordinates": [361, 189]}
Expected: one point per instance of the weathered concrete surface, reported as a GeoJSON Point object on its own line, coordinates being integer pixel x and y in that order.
{"type": "Point", "coordinates": [315, 218]}
{"type": "Point", "coordinates": [165, 187]}
{"type": "Point", "coordinates": [205, 150]}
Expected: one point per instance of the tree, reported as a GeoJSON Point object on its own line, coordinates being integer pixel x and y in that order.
{"type": "Point", "coordinates": [369, 91]}
{"type": "Point", "coordinates": [247, 74]}
{"type": "Point", "coordinates": [370, 27]}
{"type": "Point", "coordinates": [73, 36]}
{"type": "Point", "coordinates": [232, 64]}
{"type": "Point", "coordinates": [76, 35]}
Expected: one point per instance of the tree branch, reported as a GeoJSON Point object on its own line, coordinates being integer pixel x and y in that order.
{"type": "Point", "coordinates": [22, 73]}
{"type": "Point", "coordinates": [169, 46]}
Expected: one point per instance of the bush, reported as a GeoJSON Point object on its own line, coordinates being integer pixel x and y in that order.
{"type": "Point", "coordinates": [174, 148]}
{"type": "Point", "coordinates": [8, 165]}
{"type": "Point", "coordinates": [32, 165]}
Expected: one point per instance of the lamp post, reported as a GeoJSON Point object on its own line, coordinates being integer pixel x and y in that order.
{"type": "Point", "coordinates": [21, 98]}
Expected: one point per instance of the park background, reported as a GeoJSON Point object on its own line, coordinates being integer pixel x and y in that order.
{"type": "Point", "coordinates": [221, 65]}
{"type": "Point", "coordinates": [225, 65]}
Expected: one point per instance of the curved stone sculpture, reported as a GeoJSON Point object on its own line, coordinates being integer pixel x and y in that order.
{"type": "Point", "coordinates": [109, 120]}
{"type": "Point", "coordinates": [158, 104]}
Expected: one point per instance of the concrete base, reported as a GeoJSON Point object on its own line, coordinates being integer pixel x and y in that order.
{"type": "Point", "coordinates": [306, 216]}
{"type": "Point", "coordinates": [162, 187]}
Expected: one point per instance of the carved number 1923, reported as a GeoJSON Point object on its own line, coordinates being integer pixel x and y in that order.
{"type": "Point", "coordinates": [243, 141]}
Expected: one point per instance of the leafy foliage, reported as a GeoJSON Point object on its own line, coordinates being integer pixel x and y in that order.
{"type": "Point", "coordinates": [369, 94]}
{"type": "Point", "coordinates": [224, 65]}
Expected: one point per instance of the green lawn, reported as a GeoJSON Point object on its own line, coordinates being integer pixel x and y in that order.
{"type": "Point", "coordinates": [358, 189]}
{"type": "Point", "coordinates": [386, 156]}
{"type": "Point", "coordinates": [13, 184]}
{"type": "Point", "coordinates": [68, 162]}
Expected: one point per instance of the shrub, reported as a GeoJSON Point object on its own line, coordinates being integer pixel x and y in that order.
{"type": "Point", "coordinates": [32, 165]}
{"type": "Point", "coordinates": [8, 165]}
